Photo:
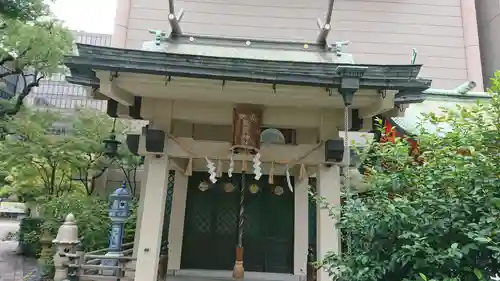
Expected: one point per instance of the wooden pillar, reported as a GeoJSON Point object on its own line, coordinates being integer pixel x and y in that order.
{"type": "Point", "coordinates": [301, 225]}
{"type": "Point", "coordinates": [155, 197]}
{"type": "Point", "coordinates": [176, 230]}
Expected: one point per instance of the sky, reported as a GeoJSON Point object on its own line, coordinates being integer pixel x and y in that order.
{"type": "Point", "coordinates": [96, 16]}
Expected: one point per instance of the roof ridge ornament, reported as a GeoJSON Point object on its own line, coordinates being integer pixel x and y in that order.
{"type": "Point", "coordinates": [160, 35]}
{"type": "Point", "coordinates": [414, 55]}
{"type": "Point", "coordinates": [174, 19]}
{"type": "Point", "coordinates": [325, 28]}
{"type": "Point", "coordinates": [159, 44]}
{"type": "Point", "coordinates": [461, 90]}
{"type": "Point", "coordinates": [342, 57]}
{"type": "Point", "coordinates": [339, 47]}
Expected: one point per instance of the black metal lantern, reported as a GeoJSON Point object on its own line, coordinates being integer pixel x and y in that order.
{"type": "Point", "coordinates": [111, 144]}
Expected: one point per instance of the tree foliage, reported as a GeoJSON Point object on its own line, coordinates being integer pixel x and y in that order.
{"type": "Point", "coordinates": [39, 164]}
{"type": "Point", "coordinates": [32, 46]}
{"type": "Point", "coordinates": [23, 10]}
{"type": "Point", "coordinates": [35, 155]}
{"type": "Point", "coordinates": [434, 216]}
{"type": "Point", "coordinates": [90, 129]}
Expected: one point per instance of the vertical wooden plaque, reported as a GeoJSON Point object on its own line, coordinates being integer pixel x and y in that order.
{"type": "Point", "coordinates": [246, 129]}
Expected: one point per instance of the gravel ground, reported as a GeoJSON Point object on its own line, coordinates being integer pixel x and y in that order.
{"type": "Point", "coordinates": [13, 267]}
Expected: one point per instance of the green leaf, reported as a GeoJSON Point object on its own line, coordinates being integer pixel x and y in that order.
{"type": "Point", "coordinates": [483, 239]}
{"type": "Point", "coordinates": [478, 273]}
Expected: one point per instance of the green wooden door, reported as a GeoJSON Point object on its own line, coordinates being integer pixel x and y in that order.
{"type": "Point", "coordinates": [269, 227]}
{"type": "Point", "coordinates": [211, 225]}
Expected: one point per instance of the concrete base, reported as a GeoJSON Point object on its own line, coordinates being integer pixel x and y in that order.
{"type": "Point", "coordinates": [110, 262]}
{"type": "Point", "coordinates": [199, 274]}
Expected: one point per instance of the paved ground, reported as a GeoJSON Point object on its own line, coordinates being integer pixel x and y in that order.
{"type": "Point", "coordinates": [12, 266]}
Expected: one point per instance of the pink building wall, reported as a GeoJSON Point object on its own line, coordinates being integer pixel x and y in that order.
{"type": "Point", "coordinates": [488, 17]}
{"type": "Point", "coordinates": [381, 31]}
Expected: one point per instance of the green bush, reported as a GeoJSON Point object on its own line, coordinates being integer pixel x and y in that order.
{"type": "Point", "coordinates": [91, 215]}
{"type": "Point", "coordinates": [434, 214]}
{"type": "Point", "coordinates": [129, 232]}
{"type": "Point", "coordinates": [29, 236]}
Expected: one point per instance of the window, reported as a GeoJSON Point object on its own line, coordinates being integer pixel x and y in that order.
{"type": "Point", "coordinates": [39, 101]}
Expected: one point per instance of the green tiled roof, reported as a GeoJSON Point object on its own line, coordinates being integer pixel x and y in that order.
{"type": "Point", "coordinates": [433, 104]}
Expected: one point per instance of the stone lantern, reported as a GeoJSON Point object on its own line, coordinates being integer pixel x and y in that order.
{"type": "Point", "coordinates": [65, 242]}
{"type": "Point", "coordinates": [118, 213]}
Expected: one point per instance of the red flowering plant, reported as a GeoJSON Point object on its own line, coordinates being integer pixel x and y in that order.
{"type": "Point", "coordinates": [432, 219]}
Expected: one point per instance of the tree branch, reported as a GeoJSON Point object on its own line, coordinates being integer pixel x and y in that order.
{"type": "Point", "coordinates": [24, 93]}
{"type": "Point", "coordinates": [5, 60]}
{"type": "Point", "coordinates": [61, 181]}
{"type": "Point", "coordinates": [53, 179]}
{"type": "Point", "coordinates": [9, 58]}
{"type": "Point", "coordinates": [127, 178]}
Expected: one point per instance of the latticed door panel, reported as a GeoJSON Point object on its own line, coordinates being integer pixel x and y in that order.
{"type": "Point", "coordinates": [254, 234]}
{"type": "Point", "coordinates": [211, 224]}
{"type": "Point", "coordinates": [225, 232]}
{"type": "Point", "coordinates": [269, 227]}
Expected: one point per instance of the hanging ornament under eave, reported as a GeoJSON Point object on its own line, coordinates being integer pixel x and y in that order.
{"type": "Point", "coordinates": [203, 186]}
{"type": "Point", "coordinates": [111, 144]}
{"type": "Point", "coordinates": [256, 166]}
{"type": "Point", "coordinates": [303, 173]}
{"type": "Point", "coordinates": [246, 130]}
{"type": "Point", "coordinates": [218, 172]}
{"type": "Point", "coordinates": [271, 174]}
{"type": "Point", "coordinates": [211, 170]}
{"type": "Point", "coordinates": [189, 168]}
{"type": "Point", "coordinates": [231, 166]}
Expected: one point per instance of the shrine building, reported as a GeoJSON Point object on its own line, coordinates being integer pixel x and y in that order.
{"type": "Point", "coordinates": [239, 130]}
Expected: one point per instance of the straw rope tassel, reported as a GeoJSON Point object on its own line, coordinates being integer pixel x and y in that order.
{"type": "Point", "coordinates": [244, 164]}
{"type": "Point", "coordinates": [271, 174]}
{"type": "Point", "coordinates": [218, 173]}
{"type": "Point", "coordinates": [189, 168]}
{"type": "Point", "coordinates": [303, 172]}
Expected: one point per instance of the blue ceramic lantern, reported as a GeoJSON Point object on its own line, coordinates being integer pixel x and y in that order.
{"type": "Point", "coordinates": [118, 213]}
{"type": "Point", "coordinates": [120, 204]}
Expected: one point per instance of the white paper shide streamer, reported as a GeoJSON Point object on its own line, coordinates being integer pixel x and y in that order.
{"type": "Point", "coordinates": [288, 180]}
{"type": "Point", "coordinates": [231, 166]}
{"type": "Point", "coordinates": [211, 170]}
{"type": "Point", "coordinates": [256, 166]}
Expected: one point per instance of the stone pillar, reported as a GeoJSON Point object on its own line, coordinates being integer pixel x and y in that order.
{"type": "Point", "coordinates": [155, 196]}
{"type": "Point", "coordinates": [328, 236]}
{"type": "Point", "coordinates": [65, 242]}
{"type": "Point", "coordinates": [177, 213]}
{"type": "Point", "coordinates": [301, 225]}
{"type": "Point", "coordinates": [45, 262]}
{"type": "Point", "coordinates": [140, 208]}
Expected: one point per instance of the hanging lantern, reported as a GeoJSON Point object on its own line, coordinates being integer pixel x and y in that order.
{"type": "Point", "coordinates": [111, 144]}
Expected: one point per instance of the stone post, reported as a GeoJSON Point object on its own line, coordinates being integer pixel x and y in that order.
{"type": "Point", "coordinates": [45, 262]}
{"type": "Point", "coordinates": [65, 242]}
